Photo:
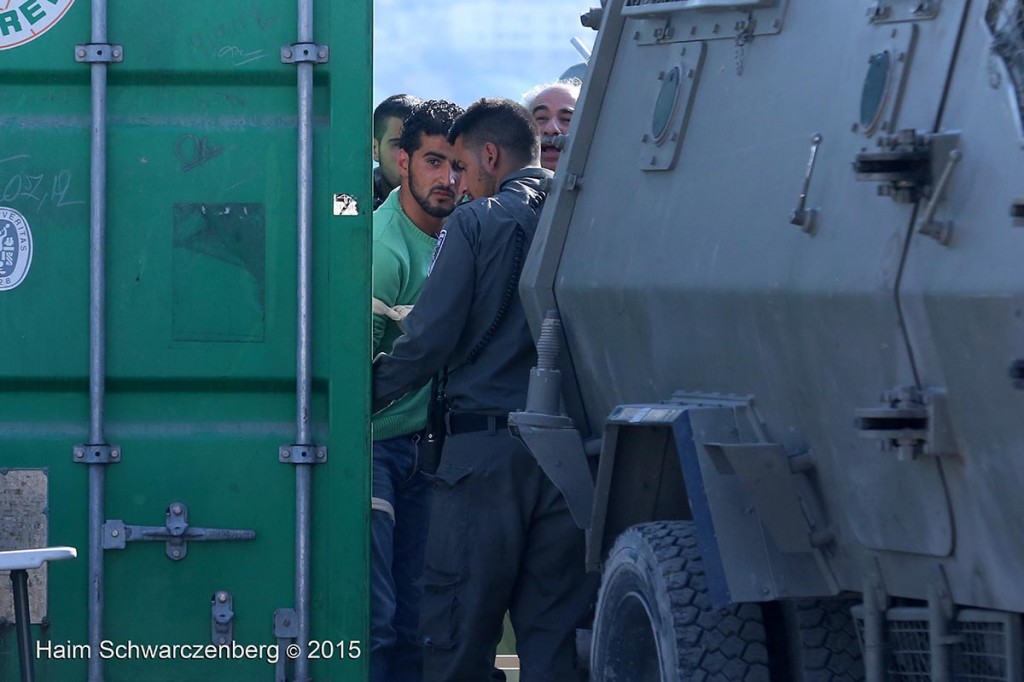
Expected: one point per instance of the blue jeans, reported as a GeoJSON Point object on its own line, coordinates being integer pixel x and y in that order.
{"type": "Point", "coordinates": [400, 517]}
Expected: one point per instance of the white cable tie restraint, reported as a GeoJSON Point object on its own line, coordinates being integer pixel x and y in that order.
{"type": "Point", "coordinates": [397, 313]}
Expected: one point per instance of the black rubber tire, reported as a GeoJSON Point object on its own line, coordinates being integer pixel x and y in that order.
{"type": "Point", "coordinates": [655, 620]}
{"type": "Point", "coordinates": [822, 641]}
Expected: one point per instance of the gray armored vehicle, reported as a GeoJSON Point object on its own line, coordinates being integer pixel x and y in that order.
{"type": "Point", "coordinates": [785, 248]}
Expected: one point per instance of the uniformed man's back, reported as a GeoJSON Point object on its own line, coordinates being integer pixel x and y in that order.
{"type": "Point", "coordinates": [480, 254]}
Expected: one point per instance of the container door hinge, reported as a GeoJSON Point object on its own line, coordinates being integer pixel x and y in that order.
{"type": "Point", "coordinates": [286, 625]}
{"type": "Point", "coordinates": [300, 53]}
{"type": "Point", "coordinates": [286, 631]}
{"type": "Point", "coordinates": [911, 423]}
{"type": "Point", "coordinates": [99, 53]}
{"type": "Point", "coordinates": [96, 454]}
{"type": "Point", "coordinates": [222, 616]}
{"type": "Point", "coordinates": [176, 533]}
{"type": "Point", "coordinates": [302, 454]}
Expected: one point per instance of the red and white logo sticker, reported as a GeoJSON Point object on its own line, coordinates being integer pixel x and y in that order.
{"type": "Point", "coordinates": [22, 21]}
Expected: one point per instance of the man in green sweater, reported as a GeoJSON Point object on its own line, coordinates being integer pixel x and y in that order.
{"type": "Point", "coordinates": [405, 229]}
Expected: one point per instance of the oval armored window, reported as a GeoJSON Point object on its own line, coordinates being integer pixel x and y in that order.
{"type": "Point", "coordinates": [876, 88]}
{"type": "Point", "coordinates": [665, 106]}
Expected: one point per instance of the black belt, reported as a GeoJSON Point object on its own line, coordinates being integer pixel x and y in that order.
{"type": "Point", "coordinates": [469, 422]}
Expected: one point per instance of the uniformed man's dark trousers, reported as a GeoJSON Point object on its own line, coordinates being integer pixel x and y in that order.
{"type": "Point", "coordinates": [500, 539]}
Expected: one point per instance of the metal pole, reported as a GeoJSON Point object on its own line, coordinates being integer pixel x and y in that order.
{"type": "Point", "coordinates": [97, 228]}
{"type": "Point", "coordinates": [97, 263]}
{"type": "Point", "coordinates": [874, 633]}
{"type": "Point", "coordinates": [96, 494]}
{"type": "Point", "coordinates": [23, 622]}
{"type": "Point", "coordinates": [938, 634]}
{"type": "Point", "coordinates": [97, 333]}
{"type": "Point", "coordinates": [303, 473]}
{"type": "Point", "coordinates": [305, 212]}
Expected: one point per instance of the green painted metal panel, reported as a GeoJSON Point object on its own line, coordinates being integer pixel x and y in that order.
{"type": "Point", "coordinates": [201, 322]}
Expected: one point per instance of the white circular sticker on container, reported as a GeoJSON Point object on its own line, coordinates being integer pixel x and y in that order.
{"type": "Point", "coordinates": [15, 248]}
{"type": "Point", "coordinates": [22, 21]}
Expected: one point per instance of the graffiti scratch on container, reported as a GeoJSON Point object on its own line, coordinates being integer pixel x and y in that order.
{"type": "Point", "coordinates": [41, 188]}
{"type": "Point", "coordinates": [239, 55]}
{"type": "Point", "coordinates": [194, 151]}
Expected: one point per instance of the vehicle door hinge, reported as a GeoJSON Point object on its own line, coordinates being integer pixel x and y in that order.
{"type": "Point", "coordinates": [910, 423]}
{"type": "Point", "coordinates": [908, 164]}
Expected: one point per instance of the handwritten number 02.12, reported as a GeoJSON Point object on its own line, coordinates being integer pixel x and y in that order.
{"type": "Point", "coordinates": [24, 186]}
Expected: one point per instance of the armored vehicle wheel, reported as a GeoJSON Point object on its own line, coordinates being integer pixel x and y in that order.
{"type": "Point", "coordinates": [655, 620]}
{"type": "Point", "coordinates": [821, 641]}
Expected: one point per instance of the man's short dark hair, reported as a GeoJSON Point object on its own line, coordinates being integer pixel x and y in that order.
{"type": "Point", "coordinates": [502, 122]}
{"type": "Point", "coordinates": [433, 117]}
{"type": "Point", "coordinates": [396, 106]}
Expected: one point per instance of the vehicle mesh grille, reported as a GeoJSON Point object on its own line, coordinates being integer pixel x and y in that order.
{"type": "Point", "coordinates": [909, 650]}
{"type": "Point", "coordinates": [982, 653]}
{"type": "Point", "coordinates": [983, 645]}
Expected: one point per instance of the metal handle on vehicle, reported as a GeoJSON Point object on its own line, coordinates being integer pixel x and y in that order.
{"type": "Point", "coordinates": [940, 231]}
{"type": "Point", "coordinates": [806, 218]}
{"type": "Point", "coordinates": [654, 9]}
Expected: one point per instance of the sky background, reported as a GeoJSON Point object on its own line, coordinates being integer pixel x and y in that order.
{"type": "Point", "coordinates": [462, 50]}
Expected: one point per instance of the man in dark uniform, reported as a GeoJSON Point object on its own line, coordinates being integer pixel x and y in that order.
{"type": "Point", "coordinates": [501, 536]}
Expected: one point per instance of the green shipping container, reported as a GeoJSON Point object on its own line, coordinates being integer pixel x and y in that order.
{"type": "Point", "coordinates": [167, 335]}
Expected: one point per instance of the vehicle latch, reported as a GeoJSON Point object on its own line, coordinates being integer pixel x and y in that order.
{"type": "Point", "coordinates": [176, 533]}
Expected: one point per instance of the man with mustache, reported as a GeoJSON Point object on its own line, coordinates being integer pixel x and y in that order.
{"type": "Point", "coordinates": [552, 106]}
{"type": "Point", "coordinates": [405, 229]}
